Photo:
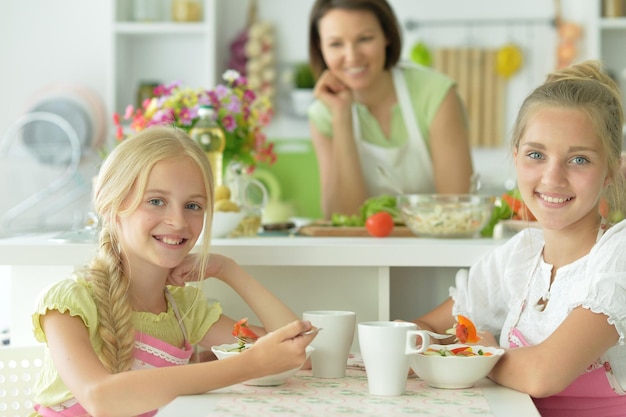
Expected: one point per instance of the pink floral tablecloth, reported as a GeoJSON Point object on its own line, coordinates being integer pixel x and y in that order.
{"type": "Point", "coordinates": [306, 396]}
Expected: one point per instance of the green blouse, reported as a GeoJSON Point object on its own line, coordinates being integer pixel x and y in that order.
{"type": "Point", "coordinates": [427, 88]}
{"type": "Point", "coordinates": [75, 297]}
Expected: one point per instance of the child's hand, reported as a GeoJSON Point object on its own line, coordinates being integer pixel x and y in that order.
{"type": "Point", "coordinates": [181, 274]}
{"type": "Point", "coordinates": [185, 271]}
{"type": "Point", "coordinates": [487, 339]}
{"type": "Point", "coordinates": [283, 349]}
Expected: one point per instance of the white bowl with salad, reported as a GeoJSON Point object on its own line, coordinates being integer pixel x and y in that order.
{"type": "Point", "coordinates": [233, 349]}
{"type": "Point", "coordinates": [455, 365]}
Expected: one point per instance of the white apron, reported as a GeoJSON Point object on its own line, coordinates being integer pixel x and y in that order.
{"type": "Point", "coordinates": [409, 165]}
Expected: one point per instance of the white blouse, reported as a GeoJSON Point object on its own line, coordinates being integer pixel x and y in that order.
{"type": "Point", "coordinates": [491, 295]}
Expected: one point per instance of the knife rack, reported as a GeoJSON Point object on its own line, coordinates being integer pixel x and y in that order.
{"type": "Point", "coordinates": [481, 89]}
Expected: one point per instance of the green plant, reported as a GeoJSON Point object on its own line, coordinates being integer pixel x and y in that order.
{"type": "Point", "coordinates": [303, 76]}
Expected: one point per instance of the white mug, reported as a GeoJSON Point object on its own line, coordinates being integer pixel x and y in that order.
{"type": "Point", "coordinates": [411, 341]}
{"type": "Point", "coordinates": [382, 345]}
{"type": "Point", "coordinates": [332, 344]}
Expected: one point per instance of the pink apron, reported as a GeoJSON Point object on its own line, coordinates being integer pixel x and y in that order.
{"type": "Point", "coordinates": [149, 352]}
{"type": "Point", "coordinates": [590, 395]}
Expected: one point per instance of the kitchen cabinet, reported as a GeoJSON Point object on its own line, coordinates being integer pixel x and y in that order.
{"type": "Point", "coordinates": [603, 38]}
{"type": "Point", "coordinates": [611, 37]}
{"type": "Point", "coordinates": [159, 51]}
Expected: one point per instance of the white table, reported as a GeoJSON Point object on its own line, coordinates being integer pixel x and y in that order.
{"type": "Point", "coordinates": [305, 395]}
{"type": "Point", "coordinates": [380, 279]}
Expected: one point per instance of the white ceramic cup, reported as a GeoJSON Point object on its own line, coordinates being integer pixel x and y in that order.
{"type": "Point", "coordinates": [332, 344]}
{"type": "Point", "coordinates": [382, 345]}
{"type": "Point", "coordinates": [411, 341]}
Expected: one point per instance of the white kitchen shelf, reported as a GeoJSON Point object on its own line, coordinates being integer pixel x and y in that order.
{"type": "Point", "coordinates": [613, 23]}
{"type": "Point", "coordinates": [163, 52]}
{"type": "Point", "coordinates": [165, 28]}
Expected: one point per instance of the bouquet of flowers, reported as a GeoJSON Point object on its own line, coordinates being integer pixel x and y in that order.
{"type": "Point", "coordinates": [240, 113]}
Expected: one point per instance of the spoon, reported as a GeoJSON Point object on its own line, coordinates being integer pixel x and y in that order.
{"type": "Point", "coordinates": [250, 340]}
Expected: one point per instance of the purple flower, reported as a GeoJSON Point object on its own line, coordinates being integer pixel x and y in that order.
{"type": "Point", "coordinates": [229, 123]}
{"type": "Point", "coordinates": [221, 91]}
{"type": "Point", "coordinates": [185, 117]}
{"type": "Point", "coordinates": [235, 105]}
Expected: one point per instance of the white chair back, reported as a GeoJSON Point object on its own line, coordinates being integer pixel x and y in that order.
{"type": "Point", "coordinates": [19, 367]}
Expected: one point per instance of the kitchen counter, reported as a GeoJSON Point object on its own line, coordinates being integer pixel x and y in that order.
{"type": "Point", "coordinates": [379, 278]}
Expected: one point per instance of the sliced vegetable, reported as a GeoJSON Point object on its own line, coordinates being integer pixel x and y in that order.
{"type": "Point", "coordinates": [458, 350]}
{"type": "Point", "coordinates": [510, 206]}
{"type": "Point", "coordinates": [464, 351]}
{"type": "Point", "coordinates": [241, 329]}
{"type": "Point", "coordinates": [465, 330]}
{"type": "Point", "coordinates": [520, 211]}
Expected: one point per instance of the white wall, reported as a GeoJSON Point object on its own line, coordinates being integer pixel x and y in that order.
{"type": "Point", "coordinates": [44, 42]}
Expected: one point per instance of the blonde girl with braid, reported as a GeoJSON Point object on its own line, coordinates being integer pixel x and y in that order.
{"type": "Point", "coordinates": [118, 336]}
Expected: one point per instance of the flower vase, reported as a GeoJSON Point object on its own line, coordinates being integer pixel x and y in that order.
{"type": "Point", "coordinates": [249, 194]}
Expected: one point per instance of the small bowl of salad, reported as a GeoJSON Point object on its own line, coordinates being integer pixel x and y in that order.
{"type": "Point", "coordinates": [232, 349]}
{"type": "Point", "coordinates": [455, 365]}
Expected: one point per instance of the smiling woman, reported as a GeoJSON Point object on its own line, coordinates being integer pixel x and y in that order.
{"type": "Point", "coordinates": [371, 110]}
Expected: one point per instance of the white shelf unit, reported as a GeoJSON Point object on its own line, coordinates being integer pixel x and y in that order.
{"type": "Point", "coordinates": [605, 39]}
{"type": "Point", "coordinates": [163, 52]}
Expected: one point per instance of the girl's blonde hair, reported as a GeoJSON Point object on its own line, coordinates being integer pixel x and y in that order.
{"type": "Point", "coordinates": [127, 169]}
{"type": "Point", "coordinates": [587, 88]}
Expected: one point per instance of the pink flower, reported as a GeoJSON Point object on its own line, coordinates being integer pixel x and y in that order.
{"type": "Point", "coordinates": [239, 112]}
{"type": "Point", "coordinates": [129, 111]}
{"type": "Point", "coordinates": [229, 123]}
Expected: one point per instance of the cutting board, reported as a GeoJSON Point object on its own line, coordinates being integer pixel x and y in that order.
{"type": "Point", "coordinates": [327, 230]}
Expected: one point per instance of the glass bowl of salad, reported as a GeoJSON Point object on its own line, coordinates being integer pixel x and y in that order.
{"type": "Point", "coordinates": [446, 215]}
{"type": "Point", "coordinates": [232, 349]}
{"type": "Point", "coordinates": [455, 365]}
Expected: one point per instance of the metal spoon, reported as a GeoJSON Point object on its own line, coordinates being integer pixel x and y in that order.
{"type": "Point", "coordinates": [250, 340]}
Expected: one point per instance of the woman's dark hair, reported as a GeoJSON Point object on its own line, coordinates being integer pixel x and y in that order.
{"type": "Point", "coordinates": [380, 8]}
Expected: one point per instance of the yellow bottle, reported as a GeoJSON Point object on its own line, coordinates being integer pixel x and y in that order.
{"type": "Point", "coordinates": [211, 138]}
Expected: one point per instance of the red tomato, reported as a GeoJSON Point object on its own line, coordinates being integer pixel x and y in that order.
{"type": "Point", "coordinates": [379, 224]}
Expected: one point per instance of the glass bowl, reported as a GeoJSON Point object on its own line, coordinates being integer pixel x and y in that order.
{"type": "Point", "coordinates": [446, 215]}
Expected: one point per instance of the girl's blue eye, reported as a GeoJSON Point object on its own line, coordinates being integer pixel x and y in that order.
{"type": "Point", "coordinates": [194, 206]}
{"type": "Point", "coordinates": [580, 160]}
{"type": "Point", "coordinates": [156, 201]}
{"type": "Point", "coordinates": [534, 155]}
